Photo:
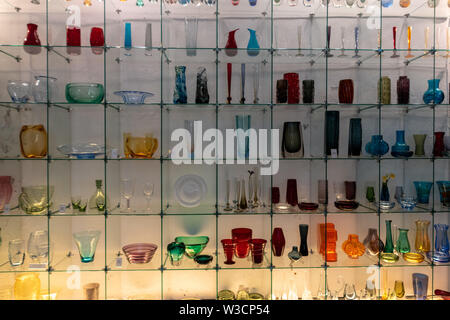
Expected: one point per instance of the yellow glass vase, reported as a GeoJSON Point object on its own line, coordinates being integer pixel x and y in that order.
{"type": "Point", "coordinates": [33, 141]}
{"type": "Point", "coordinates": [27, 287]}
{"type": "Point", "coordinates": [139, 147]}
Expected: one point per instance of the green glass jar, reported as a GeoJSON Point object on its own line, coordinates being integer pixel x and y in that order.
{"type": "Point", "coordinates": [402, 245]}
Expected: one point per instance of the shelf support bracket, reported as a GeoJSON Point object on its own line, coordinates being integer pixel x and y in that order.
{"type": "Point", "coordinates": [59, 54]}
{"type": "Point", "coordinates": [17, 58]}
{"type": "Point", "coordinates": [408, 61]}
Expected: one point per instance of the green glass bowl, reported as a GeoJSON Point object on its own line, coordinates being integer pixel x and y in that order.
{"type": "Point", "coordinates": [84, 92]}
{"type": "Point", "coordinates": [203, 259]}
{"type": "Point", "coordinates": [194, 245]}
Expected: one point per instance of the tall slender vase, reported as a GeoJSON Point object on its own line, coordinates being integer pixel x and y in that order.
{"type": "Point", "coordinates": [422, 242]}
{"type": "Point", "coordinates": [243, 201]}
{"type": "Point", "coordinates": [346, 91]}
{"type": "Point", "coordinates": [179, 94]}
{"type": "Point", "coordinates": [229, 72]}
{"type": "Point", "coordinates": [292, 141]}
{"type": "Point", "coordinates": [293, 87]}
{"type": "Point", "coordinates": [384, 90]}
{"type": "Point", "coordinates": [355, 137]}
{"type": "Point", "coordinates": [253, 45]}
{"type": "Point", "coordinates": [5, 190]}
{"type": "Point", "coordinates": [439, 147]}
{"type": "Point", "coordinates": [291, 192]}
{"type": "Point", "coordinates": [191, 27]}
{"type": "Point", "coordinates": [403, 90]}
{"type": "Point", "coordinates": [278, 242]}
{"type": "Point", "coordinates": [389, 244]}
{"type": "Point", "coordinates": [242, 83]}
{"type": "Point", "coordinates": [331, 131]}
{"type": "Point", "coordinates": [231, 45]}
{"type": "Point", "coordinates": [148, 39]}
{"type": "Point", "coordinates": [433, 95]}
{"type": "Point", "coordinates": [202, 95]}
{"type": "Point", "coordinates": [282, 91]}
{"type": "Point", "coordinates": [243, 122]}
{"type": "Point", "coordinates": [419, 140]}
{"type": "Point", "coordinates": [308, 91]}
{"type": "Point", "coordinates": [127, 43]}
{"type": "Point", "coordinates": [384, 195]}
{"type": "Point", "coordinates": [32, 42]}
{"type": "Point", "coordinates": [303, 228]}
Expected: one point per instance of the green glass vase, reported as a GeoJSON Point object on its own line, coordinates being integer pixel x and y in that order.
{"type": "Point", "coordinates": [402, 245]}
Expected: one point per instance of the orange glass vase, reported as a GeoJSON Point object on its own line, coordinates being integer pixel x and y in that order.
{"type": "Point", "coordinates": [33, 141]}
{"type": "Point", "coordinates": [27, 287]}
{"type": "Point", "coordinates": [139, 147]}
{"type": "Point", "coordinates": [327, 241]}
{"type": "Point", "coordinates": [352, 247]}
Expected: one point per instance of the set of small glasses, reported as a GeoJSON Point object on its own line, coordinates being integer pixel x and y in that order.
{"type": "Point", "coordinates": [37, 248]}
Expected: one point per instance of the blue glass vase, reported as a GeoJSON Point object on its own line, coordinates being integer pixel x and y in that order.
{"type": "Point", "coordinates": [252, 2]}
{"type": "Point", "coordinates": [420, 285]}
{"type": "Point", "coordinates": [423, 189]}
{"type": "Point", "coordinates": [387, 3]}
{"type": "Point", "coordinates": [400, 148]}
{"type": "Point", "coordinates": [179, 94]}
{"type": "Point", "coordinates": [127, 40]}
{"type": "Point", "coordinates": [242, 122]}
{"type": "Point", "coordinates": [253, 45]}
{"type": "Point", "coordinates": [433, 95]}
{"type": "Point", "coordinates": [377, 146]}
{"type": "Point", "coordinates": [441, 244]}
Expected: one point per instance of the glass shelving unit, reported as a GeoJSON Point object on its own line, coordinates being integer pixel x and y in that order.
{"type": "Point", "coordinates": [117, 68]}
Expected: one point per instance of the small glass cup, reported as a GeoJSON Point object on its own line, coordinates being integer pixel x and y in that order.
{"type": "Point", "coordinates": [16, 252]}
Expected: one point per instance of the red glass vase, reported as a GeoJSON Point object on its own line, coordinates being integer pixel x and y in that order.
{"type": "Point", "coordinates": [242, 237]}
{"type": "Point", "coordinates": [73, 40]}
{"type": "Point", "coordinates": [97, 40]}
{"type": "Point", "coordinates": [231, 46]}
{"type": "Point", "coordinates": [258, 246]}
{"type": "Point", "coordinates": [229, 247]}
{"type": "Point", "coordinates": [291, 192]}
{"type": "Point", "coordinates": [346, 91]}
{"type": "Point", "coordinates": [293, 87]}
{"type": "Point", "coordinates": [275, 195]}
{"type": "Point", "coordinates": [403, 90]}
{"type": "Point", "coordinates": [278, 242]}
{"type": "Point", "coordinates": [439, 147]}
{"type": "Point", "coordinates": [32, 39]}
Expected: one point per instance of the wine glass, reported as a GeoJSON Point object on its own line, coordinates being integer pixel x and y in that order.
{"type": "Point", "coordinates": [148, 192]}
{"type": "Point", "coordinates": [127, 190]}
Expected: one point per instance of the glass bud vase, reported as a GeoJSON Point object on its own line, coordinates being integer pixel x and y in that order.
{"type": "Point", "coordinates": [402, 245]}
{"type": "Point", "coordinates": [97, 202]}
{"type": "Point", "coordinates": [419, 140]}
{"type": "Point", "coordinates": [403, 90]}
{"type": "Point", "coordinates": [439, 147]}
{"type": "Point", "coordinates": [422, 242]}
{"type": "Point", "coordinates": [180, 93]}
{"type": "Point", "coordinates": [433, 95]}
{"type": "Point", "coordinates": [202, 95]}
{"type": "Point", "coordinates": [292, 141]}
{"type": "Point", "coordinates": [389, 244]}
{"type": "Point", "coordinates": [32, 43]}
{"type": "Point", "coordinates": [355, 137]}
{"type": "Point", "coordinates": [331, 131]}
{"type": "Point", "coordinates": [303, 239]}
{"type": "Point", "coordinates": [231, 45]}
{"type": "Point", "coordinates": [384, 195]}
{"type": "Point", "coordinates": [33, 141]}
{"type": "Point", "coordinates": [278, 242]}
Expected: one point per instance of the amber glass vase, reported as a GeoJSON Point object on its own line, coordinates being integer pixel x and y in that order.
{"type": "Point", "coordinates": [139, 147]}
{"type": "Point", "coordinates": [33, 141]}
{"type": "Point", "coordinates": [27, 287]}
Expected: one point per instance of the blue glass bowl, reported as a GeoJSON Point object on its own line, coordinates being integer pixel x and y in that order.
{"type": "Point", "coordinates": [82, 150]}
{"type": "Point", "coordinates": [134, 97]}
{"type": "Point", "coordinates": [408, 202]}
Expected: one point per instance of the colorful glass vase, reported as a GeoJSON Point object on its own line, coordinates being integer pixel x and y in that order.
{"type": "Point", "coordinates": [419, 140]}
{"type": "Point", "coordinates": [243, 122]}
{"type": "Point", "coordinates": [308, 91]}
{"type": "Point", "coordinates": [231, 45]}
{"type": "Point", "coordinates": [441, 244]}
{"type": "Point", "coordinates": [400, 148]}
{"type": "Point", "coordinates": [127, 40]}
{"type": "Point", "coordinates": [257, 248]}
{"type": "Point", "coordinates": [377, 146]}
{"type": "Point", "coordinates": [331, 131]}
{"type": "Point", "coordinates": [422, 242]}
{"type": "Point", "coordinates": [202, 95]}
{"type": "Point", "coordinates": [33, 141]}
{"type": "Point", "coordinates": [402, 245]}
{"type": "Point", "coordinates": [355, 137]}
{"type": "Point", "coordinates": [423, 189]}
{"type": "Point", "coordinates": [242, 237]}
{"type": "Point", "coordinates": [433, 95]}
{"type": "Point", "coordinates": [180, 93]}
{"type": "Point", "coordinates": [86, 242]}
{"type": "Point", "coordinates": [32, 43]}
{"type": "Point", "coordinates": [291, 192]}
{"type": "Point", "coordinates": [352, 247]}
{"type": "Point", "coordinates": [384, 90]}
{"type": "Point", "coordinates": [73, 40]}
{"type": "Point", "coordinates": [420, 285]}
{"type": "Point", "coordinates": [278, 242]}
{"type": "Point", "coordinates": [388, 244]}
{"type": "Point", "coordinates": [292, 141]}
{"type": "Point", "coordinates": [253, 45]}
{"type": "Point", "coordinates": [439, 147]}
{"type": "Point", "coordinates": [6, 190]}
{"type": "Point", "coordinates": [282, 91]}
{"type": "Point", "coordinates": [444, 192]}
{"type": "Point", "coordinates": [327, 241]}
{"type": "Point", "coordinates": [293, 87]}
{"type": "Point", "coordinates": [373, 243]}
{"type": "Point", "coordinates": [27, 286]}
{"type": "Point", "coordinates": [275, 195]}
{"type": "Point", "coordinates": [97, 40]}
{"type": "Point", "coordinates": [229, 247]}
{"type": "Point", "coordinates": [403, 90]}
{"type": "Point", "coordinates": [346, 91]}
{"type": "Point", "coordinates": [176, 252]}
{"type": "Point", "coordinates": [303, 228]}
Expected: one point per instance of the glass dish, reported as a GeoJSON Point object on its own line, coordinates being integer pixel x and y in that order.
{"type": "Point", "coordinates": [203, 259]}
{"type": "Point", "coordinates": [194, 245]}
{"type": "Point", "coordinates": [346, 205]}
{"type": "Point", "coordinates": [308, 206]}
{"type": "Point", "coordinates": [413, 257]}
{"type": "Point", "coordinates": [385, 205]}
{"type": "Point", "coordinates": [408, 202]}
{"type": "Point", "coordinates": [139, 253]}
{"type": "Point", "coordinates": [389, 257]}
{"type": "Point", "coordinates": [134, 97]}
{"type": "Point", "coordinates": [19, 91]}
{"type": "Point", "coordinates": [84, 92]}
{"type": "Point", "coordinates": [82, 150]}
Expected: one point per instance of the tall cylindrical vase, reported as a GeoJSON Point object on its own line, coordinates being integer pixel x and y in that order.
{"type": "Point", "coordinates": [355, 137]}
{"type": "Point", "coordinates": [179, 94]}
{"type": "Point", "coordinates": [308, 91]}
{"type": "Point", "coordinates": [384, 90]}
{"type": "Point", "coordinates": [202, 95]}
{"type": "Point", "coordinates": [243, 122]}
{"type": "Point", "coordinates": [346, 91]}
{"type": "Point", "coordinates": [190, 27]}
{"type": "Point", "coordinates": [303, 228]}
{"type": "Point", "coordinates": [291, 192]}
{"type": "Point", "coordinates": [292, 141]}
{"type": "Point", "coordinates": [422, 242]}
{"type": "Point", "coordinates": [293, 87]}
{"type": "Point", "coordinates": [439, 147]}
{"type": "Point", "coordinates": [282, 91]}
{"type": "Point", "coordinates": [331, 131]}
{"type": "Point", "coordinates": [389, 244]}
{"type": "Point", "coordinates": [403, 90]}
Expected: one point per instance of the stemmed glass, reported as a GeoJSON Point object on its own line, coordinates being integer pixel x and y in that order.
{"type": "Point", "coordinates": [409, 55]}
{"type": "Point", "coordinates": [127, 191]}
{"type": "Point", "coordinates": [342, 42]}
{"type": "Point", "coordinates": [148, 192]}
{"type": "Point", "coordinates": [394, 35]}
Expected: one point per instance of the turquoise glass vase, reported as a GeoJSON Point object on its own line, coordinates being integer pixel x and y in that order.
{"type": "Point", "coordinates": [377, 146]}
{"type": "Point", "coordinates": [253, 45]}
{"type": "Point", "coordinates": [86, 242]}
{"type": "Point", "coordinates": [423, 189]}
{"type": "Point", "coordinates": [180, 94]}
{"type": "Point", "coordinates": [433, 95]}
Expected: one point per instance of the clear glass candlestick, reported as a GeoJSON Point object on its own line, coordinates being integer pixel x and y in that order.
{"type": "Point", "coordinates": [342, 42]}
{"type": "Point", "coordinates": [148, 193]}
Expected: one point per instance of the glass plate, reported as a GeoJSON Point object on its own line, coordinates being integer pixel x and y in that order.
{"type": "Point", "coordinates": [82, 150]}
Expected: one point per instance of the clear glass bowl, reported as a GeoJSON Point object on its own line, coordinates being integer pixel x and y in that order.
{"type": "Point", "coordinates": [40, 86]}
{"type": "Point", "coordinates": [19, 91]}
{"type": "Point", "coordinates": [408, 202]}
{"type": "Point", "coordinates": [134, 97]}
{"type": "Point", "coordinates": [82, 150]}
{"type": "Point", "coordinates": [385, 205]}
{"type": "Point", "coordinates": [84, 92]}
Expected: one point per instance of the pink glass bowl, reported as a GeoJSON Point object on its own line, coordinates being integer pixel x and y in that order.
{"type": "Point", "coordinates": [139, 253]}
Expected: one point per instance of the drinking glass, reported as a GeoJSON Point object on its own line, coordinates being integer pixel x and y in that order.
{"type": "Point", "coordinates": [38, 244]}
{"type": "Point", "coordinates": [148, 192]}
{"type": "Point", "coordinates": [16, 252]}
{"type": "Point", "coordinates": [127, 190]}
{"type": "Point", "coordinates": [86, 242]}
{"type": "Point", "coordinates": [148, 39]}
{"type": "Point", "coordinates": [191, 26]}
